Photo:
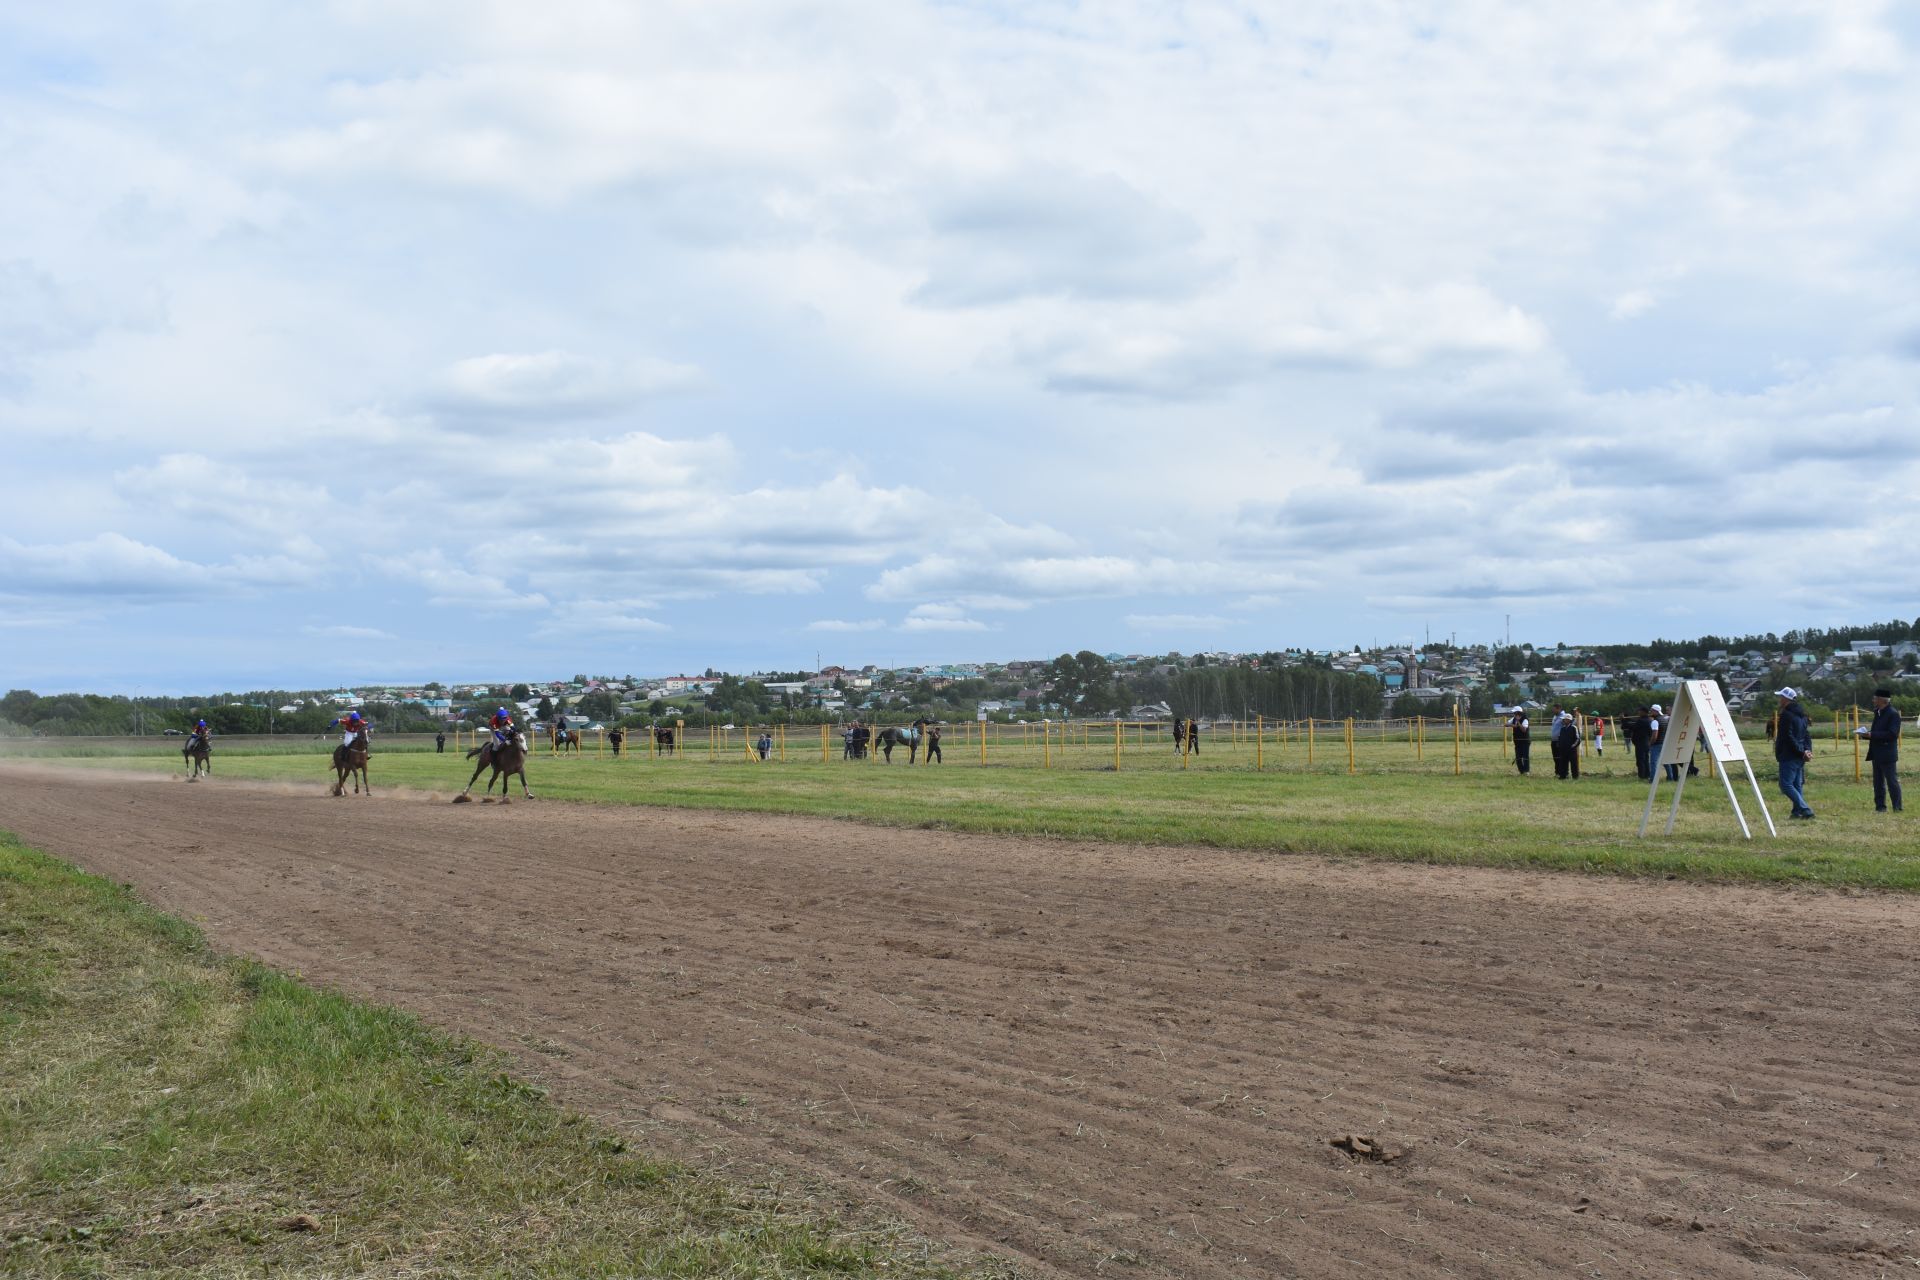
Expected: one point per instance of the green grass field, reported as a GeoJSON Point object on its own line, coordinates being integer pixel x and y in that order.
{"type": "Point", "coordinates": [1398, 803]}
{"type": "Point", "coordinates": [167, 1112]}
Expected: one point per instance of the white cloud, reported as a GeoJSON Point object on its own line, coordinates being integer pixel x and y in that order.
{"type": "Point", "coordinates": [114, 565]}
{"type": "Point", "coordinates": [344, 632]}
{"type": "Point", "coordinates": [1208, 622]}
{"type": "Point", "coordinates": [841, 624]}
{"type": "Point", "coordinates": [552, 384]}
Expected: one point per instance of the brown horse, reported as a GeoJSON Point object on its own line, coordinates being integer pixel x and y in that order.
{"type": "Point", "coordinates": [506, 760]}
{"type": "Point", "coordinates": [566, 739]}
{"type": "Point", "coordinates": [199, 752]}
{"type": "Point", "coordinates": [350, 759]}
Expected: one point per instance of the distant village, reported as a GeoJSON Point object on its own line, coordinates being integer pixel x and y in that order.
{"type": "Point", "coordinates": [1432, 679]}
{"type": "Point", "coordinates": [1410, 680]}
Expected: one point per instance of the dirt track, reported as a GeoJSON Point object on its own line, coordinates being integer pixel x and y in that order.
{"type": "Point", "coordinates": [1108, 1060]}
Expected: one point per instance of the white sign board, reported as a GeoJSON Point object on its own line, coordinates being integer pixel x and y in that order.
{"type": "Point", "coordinates": [1700, 711]}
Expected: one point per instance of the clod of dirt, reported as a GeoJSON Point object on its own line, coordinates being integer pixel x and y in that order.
{"type": "Point", "coordinates": [299, 1222]}
{"type": "Point", "coordinates": [463, 798]}
{"type": "Point", "coordinates": [1365, 1148]}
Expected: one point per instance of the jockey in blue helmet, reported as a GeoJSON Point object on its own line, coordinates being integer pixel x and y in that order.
{"type": "Point", "coordinates": [201, 732]}
{"type": "Point", "coordinates": [502, 725]}
{"type": "Point", "coordinates": [352, 726]}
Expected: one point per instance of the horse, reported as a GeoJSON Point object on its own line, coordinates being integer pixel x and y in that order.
{"type": "Point", "coordinates": [893, 736]}
{"type": "Point", "coordinates": [566, 740]}
{"type": "Point", "coordinates": [663, 740]}
{"type": "Point", "coordinates": [350, 758]}
{"type": "Point", "coordinates": [507, 760]}
{"type": "Point", "coordinates": [199, 752]}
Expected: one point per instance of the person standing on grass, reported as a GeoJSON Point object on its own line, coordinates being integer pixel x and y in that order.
{"type": "Point", "coordinates": [1792, 748]}
{"type": "Point", "coordinates": [1656, 736]}
{"type": "Point", "coordinates": [1883, 750]}
{"type": "Point", "coordinates": [1635, 729]}
{"type": "Point", "coordinates": [933, 745]}
{"type": "Point", "coordinates": [1566, 744]}
{"type": "Point", "coordinates": [1599, 736]}
{"type": "Point", "coordinates": [1522, 731]}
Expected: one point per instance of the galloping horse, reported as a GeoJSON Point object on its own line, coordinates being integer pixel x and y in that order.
{"type": "Point", "coordinates": [507, 760]}
{"type": "Point", "coordinates": [350, 758]}
{"type": "Point", "coordinates": [199, 752]}
{"type": "Point", "coordinates": [892, 737]}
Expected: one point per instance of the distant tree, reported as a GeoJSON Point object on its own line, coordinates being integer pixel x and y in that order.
{"type": "Point", "coordinates": [520, 693]}
{"type": "Point", "coordinates": [597, 705]}
{"type": "Point", "coordinates": [544, 708]}
{"type": "Point", "coordinates": [1081, 681]}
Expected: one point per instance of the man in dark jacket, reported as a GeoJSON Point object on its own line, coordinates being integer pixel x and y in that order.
{"type": "Point", "coordinates": [1792, 748]}
{"type": "Point", "coordinates": [1522, 731]}
{"type": "Point", "coordinates": [1640, 734]}
{"type": "Point", "coordinates": [1883, 750]}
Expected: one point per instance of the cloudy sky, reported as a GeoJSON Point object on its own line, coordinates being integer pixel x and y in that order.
{"type": "Point", "coordinates": [399, 339]}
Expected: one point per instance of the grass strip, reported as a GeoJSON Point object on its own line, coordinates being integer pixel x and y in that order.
{"type": "Point", "coordinates": [168, 1111]}
{"type": "Point", "coordinates": [1391, 807]}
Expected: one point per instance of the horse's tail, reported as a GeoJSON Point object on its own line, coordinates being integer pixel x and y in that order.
{"type": "Point", "coordinates": [476, 751]}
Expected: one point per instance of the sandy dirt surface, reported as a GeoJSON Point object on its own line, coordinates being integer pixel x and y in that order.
{"type": "Point", "coordinates": [1109, 1060]}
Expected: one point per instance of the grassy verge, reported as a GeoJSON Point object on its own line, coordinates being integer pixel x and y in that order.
{"type": "Point", "coordinates": [1393, 806]}
{"type": "Point", "coordinates": [166, 1111]}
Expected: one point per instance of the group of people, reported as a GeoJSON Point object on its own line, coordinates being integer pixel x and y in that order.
{"type": "Point", "coordinates": [1186, 737]}
{"type": "Point", "coordinates": [1791, 730]}
{"type": "Point", "coordinates": [1564, 739]}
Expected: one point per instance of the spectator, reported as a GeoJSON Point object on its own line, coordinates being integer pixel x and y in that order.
{"type": "Point", "coordinates": [1639, 735]}
{"type": "Point", "coordinates": [1599, 736]}
{"type": "Point", "coordinates": [616, 738]}
{"type": "Point", "coordinates": [1883, 750]}
{"type": "Point", "coordinates": [1792, 748]}
{"type": "Point", "coordinates": [440, 742]}
{"type": "Point", "coordinates": [1656, 735]}
{"type": "Point", "coordinates": [1522, 731]}
{"type": "Point", "coordinates": [1565, 742]}
{"type": "Point", "coordinates": [764, 744]}
{"type": "Point", "coordinates": [933, 745]}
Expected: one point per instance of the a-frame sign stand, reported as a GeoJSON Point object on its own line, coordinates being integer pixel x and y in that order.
{"type": "Point", "coordinates": [1699, 709]}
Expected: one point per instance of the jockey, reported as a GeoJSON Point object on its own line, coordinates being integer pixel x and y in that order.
{"type": "Point", "coordinates": [352, 726]}
{"type": "Point", "coordinates": [502, 726]}
{"type": "Point", "coordinates": [201, 734]}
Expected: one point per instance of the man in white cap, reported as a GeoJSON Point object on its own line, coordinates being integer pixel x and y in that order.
{"type": "Point", "coordinates": [1656, 734]}
{"type": "Point", "coordinates": [1792, 748]}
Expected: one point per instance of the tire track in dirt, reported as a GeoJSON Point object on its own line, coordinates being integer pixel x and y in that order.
{"type": "Point", "coordinates": [1093, 1057]}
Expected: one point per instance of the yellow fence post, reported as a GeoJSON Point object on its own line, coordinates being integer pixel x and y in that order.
{"type": "Point", "coordinates": [1856, 744]}
{"type": "Point", "coordinates": [1456, 739]}
{"type": "Point", "coordinates": [680, 738]}
{"type": "Point", "coordinates": [1309, 742]}
{"type": "Point", "coordinates": [1259, 742]}
{"type": "Point", "coordinates": [1350, 746]}
{"type": "Point", "coordinates": [1046, 744]}
{"type": "Point", "coordinates": [983, 740]}
{"type": "Point", "coordinates": [1118, 729]}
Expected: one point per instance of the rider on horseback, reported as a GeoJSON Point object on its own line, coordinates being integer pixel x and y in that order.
{"type": "Point", "coordinates": [502, 725]}
{"type": "Point", "coordinates": [353, 726]}
{"type": "Point", "coordinates": [201, 736]}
